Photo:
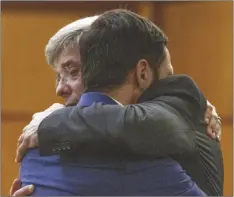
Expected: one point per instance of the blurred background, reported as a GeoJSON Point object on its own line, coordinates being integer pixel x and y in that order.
{"type": "Point", "coordinates": [200, 41]}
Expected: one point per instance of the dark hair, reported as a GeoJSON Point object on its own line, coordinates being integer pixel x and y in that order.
{"type": "Point", "coordinates": [113, 45]}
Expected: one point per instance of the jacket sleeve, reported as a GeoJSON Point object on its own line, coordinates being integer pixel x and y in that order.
{"type": "Point", "coordinates": [151, 128]}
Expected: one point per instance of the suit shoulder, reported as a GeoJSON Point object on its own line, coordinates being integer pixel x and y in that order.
{"type": "Point", "coordinates": [189, 87]}
{"type": "Point", "coordinates": [186, 81]}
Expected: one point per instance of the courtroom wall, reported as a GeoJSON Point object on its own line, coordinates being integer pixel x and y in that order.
{"type": "Point", "coordinates": [200, 41]}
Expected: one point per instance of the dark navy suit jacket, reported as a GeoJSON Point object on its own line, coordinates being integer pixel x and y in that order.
{"type": "Point", "coordinates": [100, 171]}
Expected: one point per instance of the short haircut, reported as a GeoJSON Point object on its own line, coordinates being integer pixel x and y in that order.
{"type": "Point", "coordinates": [113, 45]}
{"type": "Point", "coordinates": [66, 37]}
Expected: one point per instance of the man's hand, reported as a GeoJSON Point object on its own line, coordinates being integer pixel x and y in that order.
{"type": "Point", "coordinates": [16, 189]}
{"type": "Point", "coordinates": [213, 122]}
{"type": "Point", "coordinates": [28, 138]}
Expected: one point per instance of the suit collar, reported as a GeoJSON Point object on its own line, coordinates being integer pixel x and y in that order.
{"type": "Point", "coordinates": [89, 98]}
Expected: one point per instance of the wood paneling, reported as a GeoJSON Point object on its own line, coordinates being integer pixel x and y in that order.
{"type": "Point", "coordinates": [10, 133]}
{"type": "Point", "coordinates": [200, 42]}
{"type": "Point", "coordinates": [69, 6]}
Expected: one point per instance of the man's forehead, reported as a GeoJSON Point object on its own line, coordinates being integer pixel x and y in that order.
{"type": "Point", "coordinates": [68, 58]}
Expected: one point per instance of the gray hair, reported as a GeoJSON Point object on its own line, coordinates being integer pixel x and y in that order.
{"type": "Point", "coordinates": [65, 37]}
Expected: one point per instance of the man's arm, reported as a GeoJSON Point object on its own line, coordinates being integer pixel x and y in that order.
{"type": "Point", "coordinates": [146, 128]}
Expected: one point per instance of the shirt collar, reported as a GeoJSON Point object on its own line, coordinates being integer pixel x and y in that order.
{"type": "Point", "coordinates": [89, 98]}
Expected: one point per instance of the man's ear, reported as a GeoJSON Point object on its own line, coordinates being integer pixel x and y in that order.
{"type": "Point", "coordinates": [144, 75]}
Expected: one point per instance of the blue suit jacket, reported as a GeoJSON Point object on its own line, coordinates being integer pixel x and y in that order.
{"type": "Point", "coordinates": [112, 173]}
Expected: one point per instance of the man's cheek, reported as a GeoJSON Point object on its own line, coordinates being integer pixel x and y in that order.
{"type": "Point", "coordinates": [77, 86]}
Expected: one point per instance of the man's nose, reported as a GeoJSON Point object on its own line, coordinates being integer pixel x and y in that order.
{"type": "Point", "coordinates": [63, 90]}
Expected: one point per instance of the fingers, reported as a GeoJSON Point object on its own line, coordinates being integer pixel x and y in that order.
{"type": "Point", "coordinates": [218, 128]}
{"type": "Point", "coordinates": [15, 186]}
{"type": "Point", "coordinates": [213, 122]}
{"type": "Point", "coordinates": [22, 148]}
{"type": "Point", "coordinates": [210, 133]}
{"type": "Point", "coordinates": [20, 140]}
{"type": "Point", "coordinates": [24, 191]}
{"type": "Point", "coordinates": [210, 128]}
{"type": "Point", "coordinates": [29, 139]}
{"type": "Point", "coordinates": [208, 114]}
{"type": "Point", "coordinates": [214, 128]}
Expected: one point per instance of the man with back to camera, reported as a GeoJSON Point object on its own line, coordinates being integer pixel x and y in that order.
{"type": "Point", "coordinates": [162, 71]}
